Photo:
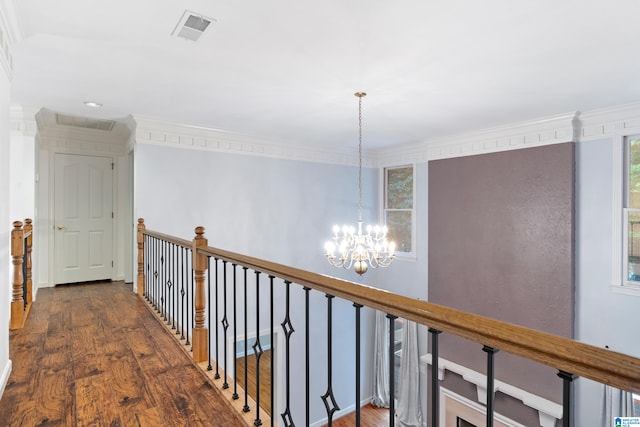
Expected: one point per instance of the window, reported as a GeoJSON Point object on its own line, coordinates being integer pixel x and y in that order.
{"type": "Point", "coordinates": [398, 207]}
{"type": "Point", "coordinates": [631, 211]}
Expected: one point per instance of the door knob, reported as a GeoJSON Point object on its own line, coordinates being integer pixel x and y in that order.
{"type": "Point", "coordinates": [60, 227]}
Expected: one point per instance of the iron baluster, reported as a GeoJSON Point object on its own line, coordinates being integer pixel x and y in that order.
{"type": "Point", "coordinates": [156, 263]}
{"type": "Point", "coordinates": [225, 323]}
{"type": "Point", "coordinates": [257, 351]}
{"type": "Point", "coordinates": [490, 383]}
{"type": "Point", "coordinates": [306, 353]}
{"type": "Point", "coordinates": [182, 294]}
{"type": "Point", "coordinates": [245, 408]}
{"type": "Point", "coordinates": [392, 371]}
{"type": "Point", "coordinates": [147, 255]}
{"type": "Point", "coordinates": [209, 367]}
{"type": "Point", "coordinates": [435, 383]}
{"type": "Point", "coordinates": [235, 336]}
{"type": "Point", "coordinates": [175, 287]}
{"type": "Point", "coordinates": [187, 276]}
{"type": "Point", "coordinates": [162, 283]}
{"type": "Point", "coordinates": [357, 307]}
{"type": "Point", "coordinates": [163, 277]}
{"type": "Point", "coordinates": [25, 255]}
{"type": "Point", "coordinates": [288, 331]}
{"type": "Point", "coordinates": [271, 381]}
{"type": "Point", "coordinates": [328, 398]}
{"type": "Point", "coordinates": [567, 380]}
{"type": "Point", "coordinates": [170, 269]}
{"type": "Point", "coordinates": [192, 318]}
{"type": "Point", "coordinates": [176, 304]}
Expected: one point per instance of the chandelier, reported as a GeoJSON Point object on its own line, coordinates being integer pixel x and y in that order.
{"type": "Point", "coordinates": [360, 247]}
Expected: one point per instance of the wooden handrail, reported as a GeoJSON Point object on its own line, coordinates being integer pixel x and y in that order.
{"type": "Point", "coordinates": [21, 249]}
{"type": "Point", "coordinates": [595, 363]}
{"type": "Point", "coordinates": [567, 355]}
{"type": "Point", "coordinates": [167, 238]}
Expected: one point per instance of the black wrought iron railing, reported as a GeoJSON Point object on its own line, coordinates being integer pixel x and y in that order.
{"type": "Point", "coordinates": [217, 298]}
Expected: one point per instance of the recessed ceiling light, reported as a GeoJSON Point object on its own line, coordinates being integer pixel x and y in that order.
{"type": "Point", "coordinates": [92, 104]}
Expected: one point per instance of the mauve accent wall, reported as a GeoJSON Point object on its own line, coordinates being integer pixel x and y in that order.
{"type": "Point", "coordinates": [501, 245]}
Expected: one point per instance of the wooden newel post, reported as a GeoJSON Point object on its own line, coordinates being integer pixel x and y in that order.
{"type": "Point", "coordinates": [141, 228]}
{"type": "Point", "coordinates": [200, 332]}
{"type": "Point", "coordinates": [28, 231]}
{"type": "Point", "coordinates": [17, 254]}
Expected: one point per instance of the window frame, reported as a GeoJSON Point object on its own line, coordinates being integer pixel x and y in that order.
{"type": "Point", "coordinates": [620, 243]}
{"type": "Point", "coordinates": [401, 254]}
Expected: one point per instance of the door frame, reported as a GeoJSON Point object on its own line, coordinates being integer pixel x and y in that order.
{"type": "Point", "coordinates": [116, 241]}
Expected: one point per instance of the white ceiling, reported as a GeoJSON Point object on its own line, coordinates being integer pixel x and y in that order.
{"type": "Point", "coordinates": [286, 70]}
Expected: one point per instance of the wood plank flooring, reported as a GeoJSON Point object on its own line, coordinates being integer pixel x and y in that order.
{"type": "Point", "coordinates": [370, 416]}
{"type": "Point", "coordinates": [93, 355]}
{"type": "Point", "coordinates": [265, 378]}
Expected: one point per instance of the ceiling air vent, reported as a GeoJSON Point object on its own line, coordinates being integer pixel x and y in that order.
{"type": "Point", "coordinates": [191, 26]}
{"type": "Point", "coordinates": [84, 122]}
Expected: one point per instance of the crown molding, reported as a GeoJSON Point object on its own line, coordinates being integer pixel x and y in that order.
{"type": "Point", "coordinates": [32, 122]}
{"type": "Point", "coordinates": [10, 34]}
{"type": "Point", "coordinates": [549, 130]}
{"type": "Point", "coordinates": [23, 120]}
{"type": "Point", "coordinates": [170, 134]}
{"type": "Point", "coordinates": [10, 20]}
{"type": "Point", "coordinates": [607, 122]}
{"type": "Point", "coordinates": [573, 127]}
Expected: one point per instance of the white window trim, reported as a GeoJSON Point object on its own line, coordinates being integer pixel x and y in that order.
{"type": "Point", "coordinates": [409, 256]}
{"type": "Point", "coordinates": [619, 249]}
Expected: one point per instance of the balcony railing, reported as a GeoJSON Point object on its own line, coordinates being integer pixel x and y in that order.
{"type": "Point", "coordinates": [211, 299]}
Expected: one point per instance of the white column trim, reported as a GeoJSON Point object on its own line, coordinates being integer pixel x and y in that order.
{"type": "Point", "coordinates": [548, 411]}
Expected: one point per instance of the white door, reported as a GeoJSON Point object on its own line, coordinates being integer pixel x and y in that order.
{"type": "Point", "coordinates": [83, 222]}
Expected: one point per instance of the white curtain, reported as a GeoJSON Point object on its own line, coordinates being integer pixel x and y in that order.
{"type": "Point", "coordinates": [616, 403]}
{"type": "Point", "coordinates": [408, 408]}
{"type": "Point", "coordinates": [381, 362]}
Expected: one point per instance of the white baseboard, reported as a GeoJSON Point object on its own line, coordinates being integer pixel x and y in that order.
{"type": "Point", "coordinates": [4, 379]}
{"type": "Point", "coordinates": [45, 285]}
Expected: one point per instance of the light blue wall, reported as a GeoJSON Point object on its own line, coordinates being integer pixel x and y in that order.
{"type": "Point", "coordinates": [278, 210]}
{"type": "Point", "coordinates": [603, 317]}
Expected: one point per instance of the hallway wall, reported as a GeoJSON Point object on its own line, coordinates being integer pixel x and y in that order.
{"type": "Point", "coordinates": [5, 230]}
{"type": "Point", "coordinates": [275, 209]}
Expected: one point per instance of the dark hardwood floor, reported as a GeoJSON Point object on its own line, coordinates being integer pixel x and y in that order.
{"type": "Point", "coordinates": [370, 416]}
{"type": "Point", "coordinates": [93, 355]}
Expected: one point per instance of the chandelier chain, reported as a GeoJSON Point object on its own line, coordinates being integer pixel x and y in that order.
{"type": "Point", "coordinates": [360, 155]}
